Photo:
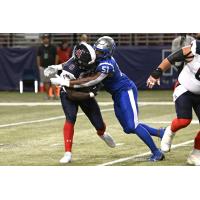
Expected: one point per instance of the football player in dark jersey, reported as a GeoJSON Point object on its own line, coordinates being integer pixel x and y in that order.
{"type": "Point", "coordinates": [186, 95]}
{"type": "Point", "coordinates": [81, 64]}
{"type": "Point", "coordinates": [123, 91]}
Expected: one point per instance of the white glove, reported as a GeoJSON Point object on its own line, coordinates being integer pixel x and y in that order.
{"type": "Point", "coordinates": [60, 81]}
{"type": "Point", "coordinates": [152, 81]}
{"type": "Point", "coordinates": [51, 70]}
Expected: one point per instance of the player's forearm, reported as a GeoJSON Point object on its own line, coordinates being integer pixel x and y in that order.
{"type": "Point", "coordinates": [83, 81]}
{"type": "Point", "coordinates": [80, 81]}
{"type": "Point", "coordinates": [78, 96]}
{"type": "Point", "coordinates": [165, 65]}
{"type": "Point", "coordinates": [88, 81]}
{"type": "Point", "coordinates": [180, 55]}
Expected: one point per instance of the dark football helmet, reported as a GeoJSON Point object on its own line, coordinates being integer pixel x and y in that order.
{"type": "Point", "coordinates": [85, 55]}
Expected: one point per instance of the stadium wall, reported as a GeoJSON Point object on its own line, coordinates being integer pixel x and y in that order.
{"type": "Point", "coordinates": [136, 62]}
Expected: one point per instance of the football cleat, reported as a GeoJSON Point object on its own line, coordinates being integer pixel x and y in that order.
{"type": "Point", "coordinates": [108, 140]}
{"type": "Point", "coordinates": [66, 158]}
{"type": "Point", "coordinates": [157, 156]}
{"type": "Point", "coordinates": [194, 158]}
{"type": "Point", "coordinates": [166, 140]}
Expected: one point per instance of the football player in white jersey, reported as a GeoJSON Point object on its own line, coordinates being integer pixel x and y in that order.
{"type": "Point", "coordinates": [186, 95]}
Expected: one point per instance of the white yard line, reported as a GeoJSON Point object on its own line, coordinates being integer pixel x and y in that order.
{"type": "Point", "coordinates": [108, 103]}
{"type": "Point", "coordinates": [44, 103]}
{"type": "Point", "coordinates": [80, 114]}
{"type": "Point", "coordinates": [143, 154]}
{"type": "Point", "coordinates": [45, 120]}
{"type": "Point", "coordinates": [62, 117]}
{"type": "Point", "coordinates": [167, 122]}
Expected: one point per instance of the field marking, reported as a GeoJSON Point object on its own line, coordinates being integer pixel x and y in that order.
{"type": "Point", "coordinates": [44, 103]}
{"type": "Point", "coordinates": [167, 122]}
{"type": "Point", "coordinates": [108, 103]}
{"type": "Point", "coordinates": [119, 144]}
{"type": "Point", "coordinates": [143, 154]}
{"type": "Point", "coordinates": [61, 144]}
{"type": "Point", "coordinates": [46, 120]}
{"type": "Point", "coordinates": [80, 114]}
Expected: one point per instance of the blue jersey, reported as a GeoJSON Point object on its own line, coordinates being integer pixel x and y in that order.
{"type": "Point", "coordinates": [116, 81]}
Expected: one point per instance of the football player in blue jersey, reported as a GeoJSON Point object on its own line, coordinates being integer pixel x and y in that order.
{"type": "Point", "coordinates": [123, 91]}
{"type": "Point", "coordinates": [79, 65]}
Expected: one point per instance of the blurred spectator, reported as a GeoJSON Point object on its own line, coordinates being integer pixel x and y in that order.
{"type": "Point", "coordinates": [83, 38]}
{"type": "Point", "coordinates": [47, 56]}
{"type": "Point", "coordinates": [3, 40]}
{"type": "Point", "coordinates": [182, 40]}
{"type": "Point", "coordinates": [64, 52]}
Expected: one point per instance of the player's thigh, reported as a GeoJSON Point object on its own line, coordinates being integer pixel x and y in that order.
{"type": "Point", "coordinates": [126, 110]}
{"type": "Point", "coordinates": [70, 108]}
{"type": "Point", "coordinates": [196, 105]}
{"type": "Point", "coordinates": [91, 108]}
{"type": "Point", "coordinates": [184, 106]}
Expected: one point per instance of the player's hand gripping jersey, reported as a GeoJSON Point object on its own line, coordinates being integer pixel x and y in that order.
{"type": "Point", "coordinates": [80, 65]}
{"type": "Point", "coordinates": [72, 70]}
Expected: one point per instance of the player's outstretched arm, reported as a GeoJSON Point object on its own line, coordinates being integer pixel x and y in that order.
{"type": "Point", "coordinates": [88, 81]}
{"type": "Point", "coordinates": [185, 54]}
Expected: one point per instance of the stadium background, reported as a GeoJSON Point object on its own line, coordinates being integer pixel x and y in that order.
{"type": "Point", "coordinates": [31, 127]}
{"type": "Point", "coordinates": [137, 54]}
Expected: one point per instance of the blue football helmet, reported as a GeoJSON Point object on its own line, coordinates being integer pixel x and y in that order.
{"type": "Point", "coordinates": [104, 47]}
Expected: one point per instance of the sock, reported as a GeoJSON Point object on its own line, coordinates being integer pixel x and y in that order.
{"type": "Point", "coordinates": [178, 124]}
{"type": "Point", "coordinates": [144, 135]}
{"type": "Point", "coordinates": [68, 131]}
{"type": "Point", "coordinates": [101, 132]}
{"type": "Point", "coordinates": [154, 131]}
{"type": "Point", "coordinates": [197, 141]}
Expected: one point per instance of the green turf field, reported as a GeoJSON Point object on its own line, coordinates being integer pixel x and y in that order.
{"type": "Point", "coordinates": [27, 139]}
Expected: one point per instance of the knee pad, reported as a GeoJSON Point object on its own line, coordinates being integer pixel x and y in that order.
{"type": "Point", "coordinates": [102, 130]}
{"type": "Point", "coordinates": [178, 124]}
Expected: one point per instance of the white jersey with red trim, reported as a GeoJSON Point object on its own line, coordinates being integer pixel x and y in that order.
{"type": "Point", "coordinates": [190, 75]}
